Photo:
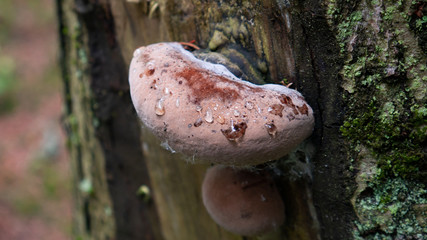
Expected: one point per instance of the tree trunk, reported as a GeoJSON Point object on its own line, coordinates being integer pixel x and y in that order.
{"type": "Point", "coordinates": [360, 65]}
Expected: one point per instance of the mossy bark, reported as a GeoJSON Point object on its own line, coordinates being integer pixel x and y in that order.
{"type": "Point", "coordinates": [128, 187]}
{"type": "Point", "coordinates": [384, 75]}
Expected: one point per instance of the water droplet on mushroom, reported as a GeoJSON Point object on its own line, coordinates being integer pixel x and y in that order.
{"type": "Point", "coordinates": [198, 122]}
{"type": "Point", "coordinates": [166, 91]}
{"type": "Point", "coordinates": [235, 132]}
{"type": "Point", "coordinates": [137, 52]}
{"type": "Point", "coordinates": [271, 129]}
{"type": "Point", "coordinates": [220, 119]}
{"type": "Point", "coordinates": [166, 146]}
{"type": "Point", "coordinates": [236, 113]}
{"type": "Point", "coordinates": [199, 108]}
{"type": "Point", "coordinates": [134, 70]}
{"type": "Point", "coordinates": [160, 107]}
{"type": "Point", "coordinates": [150, 68]}
{"type": "Point", "coordinates": [209, 116]}
{"type": "Point", "coordinates": [177, 102]}
{"type": "Point", "coordinates": [215, 107]}
{"type": "Point", "coordinates": [150, 65]}
{"type": "Point", "coordinates": [249, 105]}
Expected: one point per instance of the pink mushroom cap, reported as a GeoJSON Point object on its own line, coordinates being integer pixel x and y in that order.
{"type": "Point", "coordinates": [242, 202]}
{"type": "Point", "coordinates": [203, 111]}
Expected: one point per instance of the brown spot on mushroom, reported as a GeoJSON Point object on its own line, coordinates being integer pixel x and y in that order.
{"type": "Point", "coordinates": [288, 102]}
{"type": "Point", "coordinates": [203, 85]}
{"type": "Point", "coordinates": [140, 75]}
{"type": "Point", "coordinates": [149, 71]}
{"type": "Point", "coordinates": [295, 110]}
{"type": "Point", "coordinates": [243, 202]}
{"type": "Point", "coordinates": [285, 99]}
{"type": "Point", "coordinates": [271, 129]}
{"type": "Point", "coordinates": [276, 109]}
{"type": "Point", "coordinates": [303, 109]}
{"type": "Point", "coordinates": [235, 132]}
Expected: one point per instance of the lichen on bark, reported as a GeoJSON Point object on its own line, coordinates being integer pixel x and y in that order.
{"type": "Point", "coordinates": [385, 81]}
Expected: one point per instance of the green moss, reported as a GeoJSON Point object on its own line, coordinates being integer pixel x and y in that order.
{"type": "Point", "coordinates": [388, 211]}
{"type": "Point", "coordinates": [386, 116]}
{"type": "Point", "coordinates": [421, 23]}
{"type": "Point", "coordinates": [394, 137]}
{"type": "Point", "coordinates": [347, 28]}
{"type": "Point", "coordinates": [73, 128]}
{"type": "Point", "coordinates": [389, 12]}
{"type": "Point", "coordinates": [385, 91]}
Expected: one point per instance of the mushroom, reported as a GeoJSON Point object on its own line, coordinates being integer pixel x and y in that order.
{"type": "Point", "coordinates": [202, 110]}
{"type": "Point", "coordinates": [243, 202]}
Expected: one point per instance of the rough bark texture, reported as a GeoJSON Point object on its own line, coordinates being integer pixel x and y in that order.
{"type": "Point", "coordinates": [361, 66]}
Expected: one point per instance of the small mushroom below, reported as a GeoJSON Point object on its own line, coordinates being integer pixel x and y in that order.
{"type": "Point", "coordinates": [241, 201]}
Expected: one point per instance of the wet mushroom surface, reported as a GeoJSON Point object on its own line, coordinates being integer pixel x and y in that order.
{"type": "Point", "coordinates": [202, 110]}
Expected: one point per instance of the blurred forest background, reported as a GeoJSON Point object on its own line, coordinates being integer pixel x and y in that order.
{"type": "Point", "coordinates": [35, 201]}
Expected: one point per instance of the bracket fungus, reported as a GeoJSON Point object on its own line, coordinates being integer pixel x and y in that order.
{"type": "Point", "coordinates": [243, 202]}
{"type": "Point", "coordinates": [202, 110]}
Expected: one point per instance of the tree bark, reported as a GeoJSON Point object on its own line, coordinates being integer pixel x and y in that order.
{"type": "Point", "coordinates": [360, 65]}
